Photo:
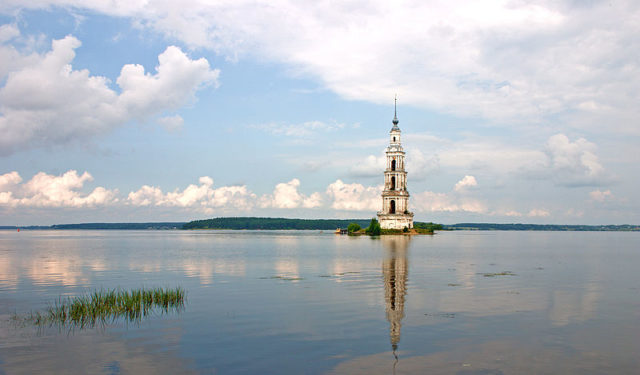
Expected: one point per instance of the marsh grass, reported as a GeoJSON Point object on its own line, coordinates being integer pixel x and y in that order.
{"type": "Point", "coordinates": [280, 277]}
{"type": "Point", "coordinates": [494, 274]}
{"type": "Point", "coordinates": [105, 306]}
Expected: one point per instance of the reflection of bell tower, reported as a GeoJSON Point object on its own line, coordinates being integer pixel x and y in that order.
{"type": "Point", "coordinates": [395, 269]}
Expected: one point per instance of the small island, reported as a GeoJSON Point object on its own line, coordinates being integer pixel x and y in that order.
{"type": "Point", "coordinates": [374, 229]}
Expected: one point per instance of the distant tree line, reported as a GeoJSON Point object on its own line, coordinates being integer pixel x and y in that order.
{"type": "Point", "coordinates": [428, 226]}
{"type": "Point", "coordinates": [547, 227]}
{"type": "Point", "coordinates": [120, 226]}
{"type": "Point", "coordinates": [317, 224]}
{"type": "Point", "coordinates": [267, 223]}
{"type": "Point", "coordinates": [271, 223]}
{"type": "Point", "coordinates": [103, 226]}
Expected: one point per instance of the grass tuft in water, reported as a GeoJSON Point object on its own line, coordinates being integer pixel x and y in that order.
{"type": "Point", "coordinates": [494, 274]}
{"type": "Point", "coordinates": [103, 306]}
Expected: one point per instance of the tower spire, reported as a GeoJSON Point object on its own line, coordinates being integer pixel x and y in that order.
{"type": "Point", "coordinates": [395, 111]}
{"type": "Point", "coordinates": [395, 105]}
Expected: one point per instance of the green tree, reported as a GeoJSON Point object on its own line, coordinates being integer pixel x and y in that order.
{"type": "Point", "coordinates": [374, 228]}
{"type": "Point", "coordinates": [353, 227]}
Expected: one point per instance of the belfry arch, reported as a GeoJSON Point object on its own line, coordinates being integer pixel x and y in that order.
{"type": "Point", "coordinates": [392, 207]}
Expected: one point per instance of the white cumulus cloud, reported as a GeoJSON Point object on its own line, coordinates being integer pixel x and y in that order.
{"type": "Point", "coordinates": [465, 183]}
{"type": "Point", "coordinates": [601, 196]}
{"type": "Point", "coordinates": [456, 200]}
{"type": "Point", "coordinates": [574, 163]}
{"type": "Point", "coordinates": [171, 123]}
{"type": "Point", "coordinates": [369, 166]}
{"type": "Point", "coordinates": [354, 197]}
{"type": "Point", "coordinates": [201, 197]}
{"type": "Point", "coordinates": [539, 212]}
{"type": "Point", "coordinates": [286, 195]}
{"type": "Point", "coordinates": [9, 179]}
{"type": "Point", "coordinates": [8, 32]}
{"type": "Point", "coordinates": [428, 201]}
{"type": "Point", "coordinates": [45, 190]}
{"type": "Point", "coordinates": [419, 166]}
{"type": "Point", "coordinates": [44, 101]}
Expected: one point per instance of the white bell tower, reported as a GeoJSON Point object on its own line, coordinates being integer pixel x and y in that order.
{"type": "Point", "coordinates": [395, 197]}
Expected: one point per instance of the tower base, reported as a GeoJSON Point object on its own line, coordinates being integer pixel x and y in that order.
{"type": "Point", "coordinates": [395, 221]}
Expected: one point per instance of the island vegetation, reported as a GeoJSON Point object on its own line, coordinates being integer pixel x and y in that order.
{"type": "Point", "coordinates": [353, 227]}
{"type": "Point", "coordinates": [374, 229]}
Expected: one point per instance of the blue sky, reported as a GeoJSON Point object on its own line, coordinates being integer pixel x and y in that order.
{"type": "Point", "coordinates": [152, 111]}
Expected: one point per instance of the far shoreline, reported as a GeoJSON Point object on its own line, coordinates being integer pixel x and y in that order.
{"type": "Point", "coordinates": [266, 224]}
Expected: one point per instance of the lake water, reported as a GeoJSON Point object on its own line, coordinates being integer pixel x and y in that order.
{"type": "Point", "coordinates": [305, 302]}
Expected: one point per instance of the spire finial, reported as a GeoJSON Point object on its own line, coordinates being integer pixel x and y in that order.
{"type": "Point", "coordinates": [395, 111]}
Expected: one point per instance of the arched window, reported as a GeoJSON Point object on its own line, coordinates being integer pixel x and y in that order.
{"type": "Point", "coordinates": [393, 183]}
{"type": "Point", "coordinates": [394, 139]}
{"type": "Point", "coordinates": [393, 165]}
{"type": "Point", "coordinates": [392, 207]}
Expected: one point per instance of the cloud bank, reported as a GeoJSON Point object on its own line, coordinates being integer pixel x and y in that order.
{"type": "Point", "coordinates": [574, 163]}
{"type": "Point", "coordinates": [45, 102]}
{"type": "Point", "coordinates": [203, 197]}
{"type": "Point", "coordinates": [45, 190]}
{"type": "Point", "coordinates": [73, 191]}
{"type": "Point", "coordinates": [504, 60]}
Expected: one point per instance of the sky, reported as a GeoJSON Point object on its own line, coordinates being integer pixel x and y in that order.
{"type": "Point", "coordinates": [129, 111]}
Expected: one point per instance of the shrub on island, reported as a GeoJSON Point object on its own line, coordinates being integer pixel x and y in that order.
{"type": "Point", "coordinates": [353, 227]}
{"type": "Point", "coordinates": [374, 228]}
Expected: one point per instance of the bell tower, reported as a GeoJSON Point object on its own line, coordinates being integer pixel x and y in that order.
{"type": "Point", "coordinates": [395, 197]}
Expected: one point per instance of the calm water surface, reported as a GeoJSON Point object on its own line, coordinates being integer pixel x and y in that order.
{"type": "Point", "coordinates": [314, 303]}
